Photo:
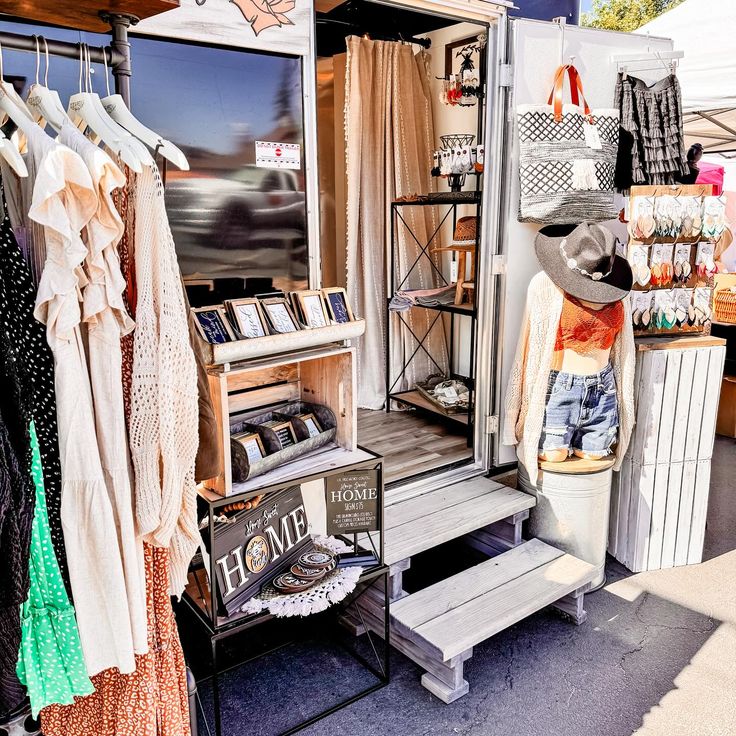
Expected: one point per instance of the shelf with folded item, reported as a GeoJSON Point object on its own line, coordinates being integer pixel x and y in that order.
{"type": "Point", "coordinates": [463, 309]}
{"type": "Point", "coordinates": [417, 400]}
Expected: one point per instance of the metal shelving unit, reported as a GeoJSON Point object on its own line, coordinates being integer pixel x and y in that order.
{"type": "Point", "coordinates": [398, 280]}
{"type": "Point", "coordinates": [200, 602]}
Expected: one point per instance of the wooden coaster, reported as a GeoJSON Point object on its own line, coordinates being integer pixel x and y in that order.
{"type": "Point", "coordinates": [578, 465]}
{"type": "Point", "coordinates": [317, 560]}
{"type": "Point", "coordinates": [304, 573]}
{"type": "Point", "coordinates": [288, 583]}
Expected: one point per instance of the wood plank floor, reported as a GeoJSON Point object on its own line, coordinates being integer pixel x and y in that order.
{"type": "Point", "coordinates": [410, 443]}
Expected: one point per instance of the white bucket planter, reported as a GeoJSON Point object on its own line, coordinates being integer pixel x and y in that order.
{"type": "Point", "coordinates": [572, 514]}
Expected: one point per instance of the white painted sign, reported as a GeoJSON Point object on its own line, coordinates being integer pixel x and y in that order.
{"type": "Point", "coordinates": [270, 155]}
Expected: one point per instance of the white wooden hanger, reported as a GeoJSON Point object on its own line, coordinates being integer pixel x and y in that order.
{"type": "Point", "coordinates": [87, 112]}
{"type": "Point", "coordinates": [44, 103]}
{"type": "Point", "coordinates": [120, 113]}
{"type": "Point", "coordinates": [9, 89]}
{"type": "Point", "coordinates": [8, 149]}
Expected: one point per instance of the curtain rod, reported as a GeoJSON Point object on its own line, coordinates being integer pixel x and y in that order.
{"type": "Point", "coordinates": [67, 49]}
{"type": "Point", "coordinates": [356, 29]}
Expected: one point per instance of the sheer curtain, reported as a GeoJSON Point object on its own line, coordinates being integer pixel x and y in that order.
{"type": "Point", "coordinates": [389, 141]}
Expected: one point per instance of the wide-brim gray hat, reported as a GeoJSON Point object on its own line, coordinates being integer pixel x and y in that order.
{"type": "Point", "coordinates": [582, 261]}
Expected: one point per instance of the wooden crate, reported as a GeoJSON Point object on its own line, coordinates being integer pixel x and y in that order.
{"type": "Point", "coordinates": [323, 376]}
{"type": "Point", "coordinates": [659, 499]}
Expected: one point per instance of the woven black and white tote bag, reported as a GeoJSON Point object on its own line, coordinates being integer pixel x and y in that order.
{"type": "Point", "coordinates": [567, 157]}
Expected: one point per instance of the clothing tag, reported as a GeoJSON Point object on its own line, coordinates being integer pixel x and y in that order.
{"type": "Point", "coordinates": [592, 136]}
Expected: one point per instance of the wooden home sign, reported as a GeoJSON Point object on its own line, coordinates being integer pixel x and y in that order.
{"type": "Point", "coordinates": [352, 502]}
{"type": "Point", "coordinates": [258, 545]}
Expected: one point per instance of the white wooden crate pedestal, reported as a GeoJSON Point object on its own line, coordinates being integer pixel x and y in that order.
{"type": "Point", "coordinates": [659, 500]}
{"type": "Point", "coordinates": [437, 627]}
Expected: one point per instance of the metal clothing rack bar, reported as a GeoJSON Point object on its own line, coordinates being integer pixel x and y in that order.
{"type": "Point", "coordinates": [117, 54]}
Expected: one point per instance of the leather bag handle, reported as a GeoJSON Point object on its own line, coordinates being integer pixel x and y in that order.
{"type": "Point", "coordinates": [556, 96]}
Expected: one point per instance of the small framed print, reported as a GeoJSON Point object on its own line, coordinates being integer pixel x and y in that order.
{"type": "Point", "coordinates": [248, 317]}
{"type": "Point", "coordinates": [312, 307]}
{"type": "Point", "coordinates": [285, 433]}
{"type": "Point", "coordinates": [337, 304]}
{"type": "Point", "coordinates": [213, 325]}
{"type": "Point", "coordinates": [253, 446]}
{"type": "Point", "coordinates": [312, 424]}
{"type": "Point", "coordinates": [279, 315]}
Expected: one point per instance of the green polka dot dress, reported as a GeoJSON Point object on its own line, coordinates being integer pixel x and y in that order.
{"type": "Point", "coordinates": [50, 662]}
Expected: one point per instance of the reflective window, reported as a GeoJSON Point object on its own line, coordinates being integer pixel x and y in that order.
{"type": "Point", "coordinates": [239, 229]}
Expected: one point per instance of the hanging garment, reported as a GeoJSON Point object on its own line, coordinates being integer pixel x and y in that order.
{"type": "Point", "coordinates": [64, 200]}
{"type": "Point", "coordinates": [16, 518]}
{"type": "Point", "coordinates": [164, 411]}
{"type": "Point", "coordinates": [50, 663]}
{"type": "Point", "coordinates": [26, 334]}
{"type": "Point", "coordinates": [651, 140]}
{"type": "Point", "coordinates": [153, 701]}
{"type": "Point", "coordinates": [105, 320]}
{"type": "Point", "coordinates": [389, 139]}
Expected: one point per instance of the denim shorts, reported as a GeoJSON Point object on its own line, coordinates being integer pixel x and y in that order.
{"type": "Point", "coordinates": [581, 413]}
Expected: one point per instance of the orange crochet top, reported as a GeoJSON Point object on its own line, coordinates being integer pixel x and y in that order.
{"type": "Point", "coordinates": [583, 329]}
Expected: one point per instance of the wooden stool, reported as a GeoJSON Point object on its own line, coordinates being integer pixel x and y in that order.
{"type": "Point", "coordinates": [463, 250]}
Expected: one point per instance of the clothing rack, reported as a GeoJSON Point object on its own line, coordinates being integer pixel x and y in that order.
{"type": "Point", "coordinates": [117, 54]}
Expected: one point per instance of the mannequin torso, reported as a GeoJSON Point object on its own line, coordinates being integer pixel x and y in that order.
{"type": "Point", "coordinates": [579, 364]}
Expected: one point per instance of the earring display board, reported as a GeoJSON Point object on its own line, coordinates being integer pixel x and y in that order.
{"type": "Point", "coordinates": [659, 499]}
{"type": "Point", "coordinates": [671, 246]}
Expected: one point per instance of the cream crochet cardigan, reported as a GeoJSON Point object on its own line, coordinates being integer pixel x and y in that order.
{"type": "Point", "coordinates": [527, 388]}
{"type": "Point", "coordinates": [164, 417]}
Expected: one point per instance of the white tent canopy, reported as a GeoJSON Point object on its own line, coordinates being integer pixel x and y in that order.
{"type": "Point", "coordinates": [706, 31]}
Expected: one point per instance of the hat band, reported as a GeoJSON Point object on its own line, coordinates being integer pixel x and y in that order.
{"type": "Point", "coordinates": [572, 264]}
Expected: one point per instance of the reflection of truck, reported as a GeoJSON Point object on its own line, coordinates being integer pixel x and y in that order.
{"type": "Point", "coordinates": [228, 212]}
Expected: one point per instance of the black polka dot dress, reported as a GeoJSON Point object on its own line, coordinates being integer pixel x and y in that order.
{"type": "Point", "coordinates": [27, 340]}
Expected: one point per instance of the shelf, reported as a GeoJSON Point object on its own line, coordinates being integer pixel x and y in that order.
{"type": "Point", "coordinates": [325, 461]}
{"type": "Point", "coordinates": [465, 309]}
{"type": "Point", "coordinates": [83, 15]}
{"type": "Point", "coordinates": [415, 399]}
{"type": "Point", "coordinates": [434, 201]}
{"type": "Point", "coordinates": [192, 597]}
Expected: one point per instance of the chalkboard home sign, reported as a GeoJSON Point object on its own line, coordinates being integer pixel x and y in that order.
{"type": "Point", "coordinates": [352, 502]}
{"type": "Point", "coordinates": [258, 545]}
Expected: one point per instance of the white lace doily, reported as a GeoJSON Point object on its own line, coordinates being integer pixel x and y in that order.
{"type": "Point", "coordinates": [336, 586]}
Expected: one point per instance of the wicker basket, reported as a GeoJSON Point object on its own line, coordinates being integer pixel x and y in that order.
{"type": "Point", "coordinates": [725, 306]}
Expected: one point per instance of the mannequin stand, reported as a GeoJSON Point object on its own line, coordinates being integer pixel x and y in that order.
{"type": "Point", "coordinates": [573, 500]}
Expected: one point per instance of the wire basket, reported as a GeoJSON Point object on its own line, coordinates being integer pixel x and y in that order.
{"type": "Point", "coordinates": [456, 140]}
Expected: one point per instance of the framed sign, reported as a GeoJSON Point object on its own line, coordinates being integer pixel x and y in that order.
{"type": "Point", "coordinates": [253, 446]}
{"type": "Point", "coordinates": [312, 308]}
{"type": "Point", "coordinates": [284, 431]}
{"type": "Point", "coordinates": [311, 423]}
{"type": "Point", "coordinates": [258, 544]}
{"type": "Point", "coordinates": [352, 502]}
{"type": "Point", "coordinates": [212, 324]}
{"type": "Point", "coordinates": [280, 316]}
{"type": "Point", "coordinates": [248, 316]}
{"type": "Point", "coordinates": [337, 305]}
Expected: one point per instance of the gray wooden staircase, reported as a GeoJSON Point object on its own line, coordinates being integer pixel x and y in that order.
{"type": "Point", "coordinates": [438, 626]}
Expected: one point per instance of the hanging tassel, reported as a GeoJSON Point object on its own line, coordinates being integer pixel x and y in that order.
{"type": "Point", "coordinates": [583, 174]}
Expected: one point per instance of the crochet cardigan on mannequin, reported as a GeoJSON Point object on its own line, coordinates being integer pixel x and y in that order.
{"type": "Point", "coordinates": [527, 388]}
{"type": "Point", "coordinates": [164, 398]}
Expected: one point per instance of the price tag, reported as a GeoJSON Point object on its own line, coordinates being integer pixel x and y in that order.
{"type": "Point", "coordinates": [592, 136]}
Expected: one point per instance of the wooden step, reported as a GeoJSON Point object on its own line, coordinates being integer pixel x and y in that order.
{"type": "Point", "coordinates": [423, 522]}
{"type": "Point", "coordinates": [456, 614]}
